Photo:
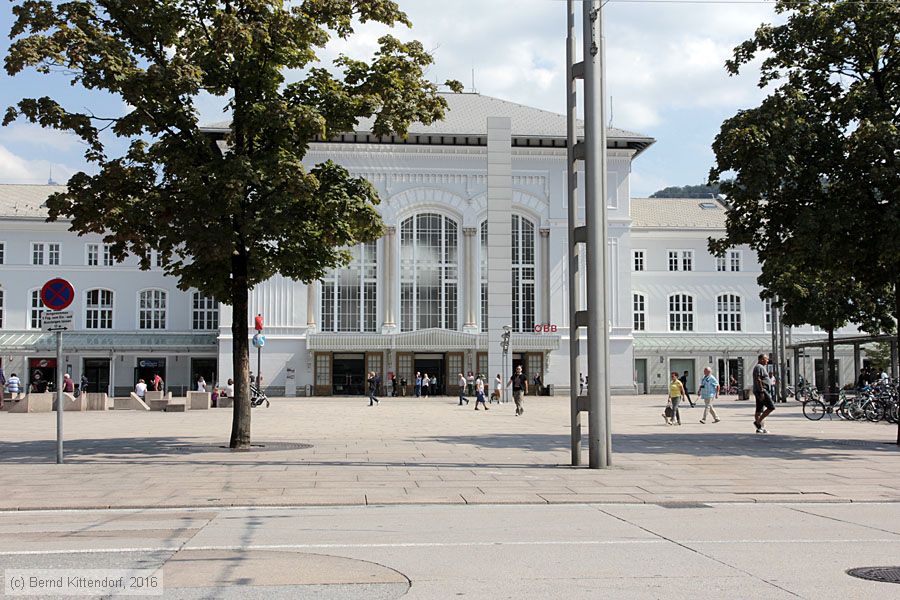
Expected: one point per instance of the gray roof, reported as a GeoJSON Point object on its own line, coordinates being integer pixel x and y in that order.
{"type": "Point", "coordinates": [467, 116]}
{"type": "Point", "coordinates": [26, 201]}
{"type": "Point", "coordinates": [677, 213]}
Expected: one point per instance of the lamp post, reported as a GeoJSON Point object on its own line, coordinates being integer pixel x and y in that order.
{"type": "Point", "coordinates": [504, 345]}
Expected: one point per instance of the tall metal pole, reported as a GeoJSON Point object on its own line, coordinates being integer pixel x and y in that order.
{"type": "Point", "coordinates": [574, 248]}
{"type": "Point", "coordinates": [782, 355]}
{"type": "Point", "coordinates": [596, 234]}
{"type": "Point", "coordinates": [59, 399]}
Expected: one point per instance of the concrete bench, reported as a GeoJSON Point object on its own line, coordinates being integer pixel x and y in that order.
{"type": "Point", "coordinates": [95, 401]}
{"type": "Point", "coordinates": [224, 402]}
{"type": "Point", "coordinates": [34, 403]}
{"type": "Point", "coordinates": [157, 404]}
{"type": "Point", "coordinates": [175, 407]}
{"type": "Point", "coordinates": [199, 400]}
{"type": "Point", "coordinates": [70, 403]}
{"type": "Point", "coordinates": [132, 402]}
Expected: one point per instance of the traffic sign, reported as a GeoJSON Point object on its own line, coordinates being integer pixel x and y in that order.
{"type": "Point", "coordinates": [57, 294]}
{"type": "Point", "coordinates": [56, 320]}
{"type": "Point", "coordinates": [259, 340]}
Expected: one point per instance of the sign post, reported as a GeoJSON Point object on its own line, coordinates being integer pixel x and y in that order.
{"type": "Point", "coordinates": [57, 295]}
{"type": "Point", "coordinates": [259, 340]}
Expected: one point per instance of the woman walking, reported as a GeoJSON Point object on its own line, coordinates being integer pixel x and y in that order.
{"type": "Point", "coordinates": [479, 392]}
{"type": "Point", "coordinates": [426, 384]}
{"type": "Point", "coordinates": [676, 392]}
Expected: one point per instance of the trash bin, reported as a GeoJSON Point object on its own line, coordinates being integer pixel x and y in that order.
{"type": "Point", "coordinates": [548, 390]}
{"type": "Point", "coordinates": [744, 394]}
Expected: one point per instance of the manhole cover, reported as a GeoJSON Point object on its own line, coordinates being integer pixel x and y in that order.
{"type": "Point", "coordinates": [883, 574]}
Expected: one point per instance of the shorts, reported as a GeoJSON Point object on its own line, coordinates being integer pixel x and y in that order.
{"type": "Point", "coordinates": [763, 401]}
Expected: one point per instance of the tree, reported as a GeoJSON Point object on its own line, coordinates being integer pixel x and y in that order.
{"type": "Point", "coordinates": [688, 191]}
{"type": "Point", "coordinates": [879, 356]}
{"type": "Point", "coordinates": [223, 219]}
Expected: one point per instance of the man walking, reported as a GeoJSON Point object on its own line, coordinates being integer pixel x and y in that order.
{"type": "Point", "coordinates": [709, 391]}
{"type": "Point", "coordinates": [479, 392]}
{"type": "Point", "coordinates": [684, 383]}
{"type": "Point", "coordinates": [764, 404]}
{"type": "Point", "coordinates": [373, 388]}
{"type": "Point", "coordinates": [519, 384]}
{"type": "Point", "coordinates": [462, 389]}
{"type": "Point", "coordinates": [418, 384]}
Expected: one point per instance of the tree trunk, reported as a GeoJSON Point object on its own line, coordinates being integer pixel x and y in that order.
{"type": "Point", "coordinates": [897, 318]}
{"type": "Point", "coordinates": [832, 371]}
{"type": "Point", "coordinates": [240, 423]}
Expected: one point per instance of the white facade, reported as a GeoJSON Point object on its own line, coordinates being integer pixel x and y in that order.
{"type": "Point", "coordinates": [466, 251]}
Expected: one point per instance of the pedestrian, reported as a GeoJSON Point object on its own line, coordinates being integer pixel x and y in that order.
{"type": "Point", "coordinates": [538, 384]}
{"type": "Point", "coordinates": [764, 403]}
{"type": "Point", "coordinates": [684, 384]}
{"type": "Point", "coordinates": [470, 383]}
{"type": "Point", "coordinates": [498, 389]}
{"type": "Point", "coordinates": [434, 386]}
{"type": "Point", "coordinates": [403, 386]}
{"type": "Point", "coordinates": [463, 382]}
{"type": "Point", "coordinates": [215, 397]}
{"type": "Point", "coordinates": [479, 392]}
{"type": "Point", "coordinates": [709, 391]}
{"type": "Point", "coordinates": [68, 384]}
{"type": "Point", "coordinates": [426, 385]}
{"type": "Point", "coordinates": [156, 383]}
{"type": "Point", "coordinates": [393, 385]}
{"type": "Point", "coordinates": [580, 384]}
{"type": "Point", "coordinates": [519, 384]}
{"type": "Point", "coordinates": [85, 384]}
{"type": "Point", "coordinates": [201, 383]}
{"type": "Point", "coordinates": [676, 392]}
{"type": "Point", "coordinates": [14, 387]}
{"type": "Point", "coordinates": [418, 384]}
{"type": "Point", "coordinates": [140, 389]}
{"type": "Point", "coordinates": [373, 388]}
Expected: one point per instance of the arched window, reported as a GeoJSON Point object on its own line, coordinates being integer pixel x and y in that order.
{"type": "Point", "coordinates": [728, 312]}
{"type": "Point", "coordinates": [429, 272]}
{"type": "Point", "coordinates": [639, 303]}
{"type": "Point", "coordinates": [152, 309]}
{"type": "Point", "coordinates": [98, 309]}
{"type": "Point", "coordinates": [483, 267]}
{"type": "Point", "coordinates": [681, 312]}
{"type": "Point", "coordinates": [349, 295]}
{"type": "Point", "coordinates": [36, 310]}
{"type": "Point", "coordinates": [204, 312]}
{"type": "Point", "coordinates": [522, 274]}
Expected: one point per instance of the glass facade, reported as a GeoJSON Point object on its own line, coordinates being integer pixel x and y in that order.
{"type": "Point", "coordinates": [429, 272]}
{"type": "Point", "coordinates": [349, 294]}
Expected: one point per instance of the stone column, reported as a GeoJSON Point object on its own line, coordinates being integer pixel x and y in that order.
{"type": "Point", "coordinates": [312, 296]}
{"type": "Point", "coordinates": [499, 207]}
{"type": "Point", "coordinates": [545, 275]}
{"type": "Point", "coordinates": [389, 278]}
{"type": "Point", "coordinates": [472, 281]}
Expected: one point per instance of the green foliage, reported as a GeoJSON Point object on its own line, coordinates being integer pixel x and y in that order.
{"type": "Point", "coordinates": [879, 355]}
{"type": "Point", "coordinates": [688, 191]}
{"type": "Point", "coordinates": [224, 218]}
{"type": "Point", "coordinates": [815, 165]}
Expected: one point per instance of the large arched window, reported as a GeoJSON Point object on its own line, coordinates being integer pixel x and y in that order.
{"type": "Point", "coordinates": [429, 272]}
{"type": "Point", "coordinates": [681, 312]}
{"type": "Point", "coordinates": [522, 274]}
{"type": "Point", "coordinates": [483, 267]}
{"type": "Point", "coordinates": [98, 309]}
{"type": "Point", "coordinates": [728, 312]}
{"type": "Point", "coordinates": [349, 295]}
{"type": "Point", "coordinates": [152, 309]}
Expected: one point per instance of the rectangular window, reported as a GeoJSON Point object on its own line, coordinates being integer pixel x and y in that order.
{"type": "Point", "coordinates": [205, 314]}
{"type": "Point", "coordinates": [323, 369]}
{"type": "Point", "coordinates": [728, 312]}
{"type": "Point", "coordinates": [687, 260]}
{"type": "Point", "coordinates": [52, 254]}
{"type": "Point", "coordinates": [37, 254]}
{"type": "Point", "coordinates": [734, 259]}
{"type": "Point", "coordinates": [681, 312]}
{"type": "Point", "coordinates": [98, 309]}
{"type": "Point", "coordinates": [768, 315]}
{"type": "Point", "coordinates": [158, 259]}
{"type": "Point", "coordinates": [37, 310]}
{"type": "Point", "coordinates": [638, 260]}
{"type": "Point", "coordinates": [107, 256]}
{"type": "Point", "coordinates": [640, 312]}
{"type": "Point", "coordinates": [2, 252]}
{"type": "Point", "coordinates": [720, 264]}
{"type": "Point", "coordinates": [93, 255]}
{"type": "Point", "coordinates": [673, 260]}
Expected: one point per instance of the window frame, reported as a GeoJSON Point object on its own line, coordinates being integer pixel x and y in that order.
{"type": "Point", "coordinates": [34, 297]}
{"type": "Point", "coordinates": [638, 314]}
{"type": "Point", "coordinates": [2, 252]}
{"type": "Point", "coordinates": [687, 317]}
{"type": "Point", "coordinates": [635, 258]}
{"type": "Point", "coordinates": [363, 272]}
{"type": "Point", "coordinates": [410, 316]}
{"type": "Point", "coordinates": [681, 257]}
{"type": "Point", "coordinates": [204, 311]}
{"type": "Point", "coordinates": [100, 308]}
{"type": "Point", "coordinates": [729, 321]}
{"type": "Point", "coordinates": [152, 311]}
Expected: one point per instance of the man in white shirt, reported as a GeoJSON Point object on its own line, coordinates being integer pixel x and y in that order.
{"type": "Point", "coordinates": [140, 389]}
{"type": "Point", "coordinates": [462, 389]}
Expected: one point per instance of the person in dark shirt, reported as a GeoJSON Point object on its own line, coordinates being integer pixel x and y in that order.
{"type": "Point", "coordinates": [519, 384]}
{"type": "Point", "coordinates": [687, 393]}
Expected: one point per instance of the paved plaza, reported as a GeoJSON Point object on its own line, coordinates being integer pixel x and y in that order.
{"type": "Point", "coordinates": [339, 451]}
{"type": "Point", "coordinates": [425, 499]}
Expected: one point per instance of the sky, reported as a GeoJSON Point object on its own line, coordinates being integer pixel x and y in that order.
{"type": "Point", "coordinates": [665, 73]}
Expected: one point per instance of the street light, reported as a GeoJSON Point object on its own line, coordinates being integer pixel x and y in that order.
{"type": "Point", "coordinates": [504, 345]}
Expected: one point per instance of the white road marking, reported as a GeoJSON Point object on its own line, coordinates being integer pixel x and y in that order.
{"type": "Point", "coordinates": [244, 548]}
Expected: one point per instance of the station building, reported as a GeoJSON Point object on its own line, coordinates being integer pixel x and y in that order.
{"type": "Point", "coordinates": [431, 295]}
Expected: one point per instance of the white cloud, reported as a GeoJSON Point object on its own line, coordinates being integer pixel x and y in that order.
{"type": "Point", "coordinates": [15, 169]}
{"type": "Point", "coordinates": [40, 137]}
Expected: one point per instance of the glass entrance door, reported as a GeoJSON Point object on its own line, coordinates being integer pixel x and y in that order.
{"type": "Point", "coordinates": [96, 370]}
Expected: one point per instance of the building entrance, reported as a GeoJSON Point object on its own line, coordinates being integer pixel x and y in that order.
{"type": "Point", "coordinates": [349, 374]}
{"type": "Point", "coordinates": [41, 375]}
{"type": "Point", "coordinates": [148, 367]}
{"type": "Point", "coordinates": [96, 370]}
{"type": "Point", "coordinates": [205, 368]}
{"type": "Point", "coordinates": [433, 365]}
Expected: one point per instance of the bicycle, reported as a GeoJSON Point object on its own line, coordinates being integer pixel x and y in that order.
{"type": "Point", "coordinates": [845, 407]}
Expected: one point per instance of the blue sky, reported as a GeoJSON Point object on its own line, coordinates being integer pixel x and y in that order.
{"type": "Point", "coordinates": [664, 65]}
